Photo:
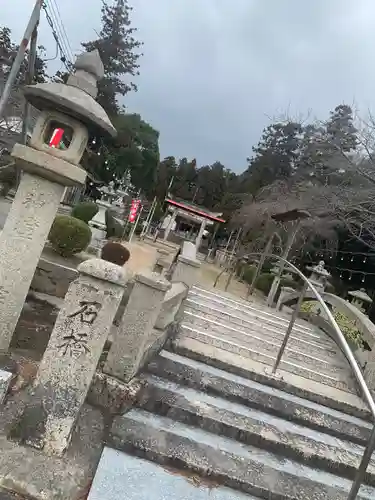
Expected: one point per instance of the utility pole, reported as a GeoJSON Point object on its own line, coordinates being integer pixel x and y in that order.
{"type": "Point", "coordinates": [170, 186]}
{"type": "Point", "coordinates": [29, 80]}
{"type": "Point", "coordinates": [135, 226]}
{"type": "Point", "coordinates": [195, 194]}
{"type": "Point", "coordinates": [33, 22]}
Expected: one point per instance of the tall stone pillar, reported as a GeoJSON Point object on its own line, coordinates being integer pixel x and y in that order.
{"type": "Point", "coordinates": [72, 355]}
{"type": "Point", "coordinates": [49, 164]}
{"type": "Point", "coordinates": [169, 228]}
{"type": "Point", "coordinates": [187, 271]}
{"type": "Point", "coordinates": [25, 232]}
{"type": "Point", "coordinates": [140, 315]}
{"type": "Point", "coordinates": [198, 241]}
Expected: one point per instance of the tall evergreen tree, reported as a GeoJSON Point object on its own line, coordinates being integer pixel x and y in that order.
{"type": "Point", "coordinates": [324, 147]}
{"type": "Point", "coordinates": [274, 157]}
{"type": "Point", "coordinates": [341, 132]}
{"type": "Point", "coordinates": [119, 52]}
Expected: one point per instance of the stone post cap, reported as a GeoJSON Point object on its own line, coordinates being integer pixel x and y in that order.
{"type": "Point", "coordinates": [153, 280]}
{"type": "Point", "coordinates": [189, 262]}
{"type": "Point", "coordinates": [105, 271]}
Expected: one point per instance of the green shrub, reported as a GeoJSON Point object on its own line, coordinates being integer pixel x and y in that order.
{"type": "Point", "coordinates": [347, 326]}
{"type": "Point", "coordinates": [85, 211]}
{"type": "Point", "coordinates": [289, 283]}
{"type": "Point", "coordinates": [69, 235]}
{"type": "Point", "coordinates": [307, 306]}
{"type": "Point", "coordinates": [248, 273]}
{"type": "Point", "coordinates": [115, 253]}
{"type": "Point", "coordinates": [264, 282]}
{"type": "Point", "coordinates": [113, 228]}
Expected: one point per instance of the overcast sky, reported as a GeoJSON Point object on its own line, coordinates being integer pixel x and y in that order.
{"type": "Point", "coordinates": [216, 71]}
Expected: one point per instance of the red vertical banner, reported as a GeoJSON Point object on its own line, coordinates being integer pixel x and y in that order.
{"type": "Point", "coordinates": [134, 210]}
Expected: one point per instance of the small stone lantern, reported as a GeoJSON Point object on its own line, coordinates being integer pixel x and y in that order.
{"type": "Point", "coordinates": [50, 163]}
{"type": "Point", "coordinates": [319, 275]}
{"type": "Point", "coordinates": [360, 299]}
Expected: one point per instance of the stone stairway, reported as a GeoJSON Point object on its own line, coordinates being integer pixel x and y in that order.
{"type": "Point", "coordinates": [212, 410]}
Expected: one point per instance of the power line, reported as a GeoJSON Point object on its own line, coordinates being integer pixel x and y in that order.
{"type": "Point", "coordinates": [344, 252]}
{"type": "Point", "coordinates": [59, 25]}
{"type": "Point", "coordinates": [60, 29]}
{"type": "Point", "coordinates": [344, 269]}
{"type": "Point", "coordinates": [64, 58]}
{"type": "Point", "coordinates": [57, 31]}
{"type": "Point", "coordinates": [53, 2]}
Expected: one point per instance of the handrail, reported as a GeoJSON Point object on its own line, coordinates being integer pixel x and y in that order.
{"type": "Point", "coordinates": [349, 355]}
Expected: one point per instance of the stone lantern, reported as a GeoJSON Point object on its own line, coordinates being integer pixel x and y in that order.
{"type": "Point", "coordinates": [50, 163]}
{"type": "Point", "coordinates": [319, 275]}
{"type": "Point", "coordinates": [360, 299]}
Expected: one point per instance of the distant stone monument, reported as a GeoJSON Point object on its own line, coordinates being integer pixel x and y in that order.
{"type": "Point", "coordinates": [319, 275]}
{"type": "Point", "coordinates": [49, 164]}
{"type": "Point", "coordinates": [360, 299]}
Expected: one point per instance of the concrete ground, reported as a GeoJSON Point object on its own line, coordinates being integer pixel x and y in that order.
{"type": "Point", "coordinates": [6, 495]}
{"type": "Point", "coordinates": [35, 475]}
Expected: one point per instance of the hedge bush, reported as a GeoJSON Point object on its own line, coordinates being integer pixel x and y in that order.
{"type": "Point", "coordinates": [115, 253]}
{"type": "Point", "coordinates": [85, 211]}
{"type": "Point", "coordinates": [264, 282]}
{"type": "Point", "coordinates": [346, 325]}
{"type": "Point", "coordinates": [248, 273]}
{"type": "Point", "coordinates": [290, 283]}
{"type": "Point", "coordinates": [69, 235]}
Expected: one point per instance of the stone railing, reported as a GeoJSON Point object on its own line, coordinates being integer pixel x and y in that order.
{"type": "Point", "coordinates": [166, 322]}
{"type": "Point", "coordinates": [364, 356]}
{"type": "Point", "coordinates": [145, 307]}
{"type": "Point", "coordinates": [52, 278]}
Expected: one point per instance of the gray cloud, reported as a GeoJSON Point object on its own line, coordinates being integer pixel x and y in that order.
{"type": "Point", "coordinates": [215, 71]}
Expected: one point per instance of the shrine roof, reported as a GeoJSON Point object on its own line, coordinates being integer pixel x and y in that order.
{"type": "Point", "coordinates": [195, 209]}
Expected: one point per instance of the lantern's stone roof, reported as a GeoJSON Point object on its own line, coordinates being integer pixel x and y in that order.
{"type": "Point", "coordinates": [319, 269]}
{"type": "Point", "coordinates": [361, 295]}
{"type": "Point", "coordinates": [76, 97]}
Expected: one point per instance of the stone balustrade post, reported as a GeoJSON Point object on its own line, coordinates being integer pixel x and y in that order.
{"type": "Point", "coordinates": [72, 355]}
{"type": "Point", "coordinates": [284, 292]}
{"type": "Point", "coordinates": [140, 315]}
{"type": "Point", "coordinates": [186, 271]}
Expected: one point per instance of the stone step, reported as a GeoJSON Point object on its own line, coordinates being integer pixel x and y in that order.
{"type": "Point", "coordinates": [253, 427]}
{"type": "Point", "coordinates": [340, 379]}
{"type": "Point", "coordinates": [229, 298]}
{"type": "Point", "coordinates": [243, 467]}
{"type": "Point", "coordinates": [120, 474]}
{"type": "Point", "coordinates": [252, 305]}
{"type": "Point", "coordinates": [233, 365]}
{"type": "Point", "coordinates": [312, 358]}
{"type": "Point", "coordinates": [244, 320]}
{"type": "Point", "coordinates": [245, 311]}
{"type": "Point", "coordinates": [339, 414]}
{"type": "Point", "coordinates": [259, 332]}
